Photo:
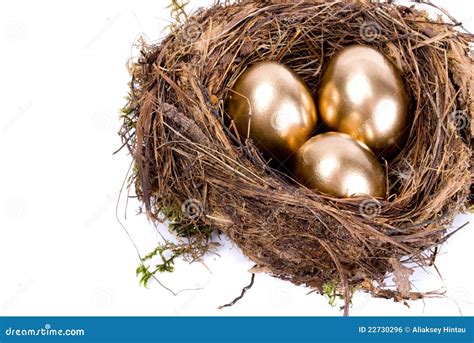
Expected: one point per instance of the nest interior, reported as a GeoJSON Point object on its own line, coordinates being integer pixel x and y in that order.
{"type": "Point", "coordinates": [177, 131]}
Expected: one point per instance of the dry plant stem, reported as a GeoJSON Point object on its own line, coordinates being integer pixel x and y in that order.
{"type": "Point", "coordinates": [184, 146]}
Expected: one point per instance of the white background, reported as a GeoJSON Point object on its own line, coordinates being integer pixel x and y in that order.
{"type": "Point", "coordinates": [62, 252]}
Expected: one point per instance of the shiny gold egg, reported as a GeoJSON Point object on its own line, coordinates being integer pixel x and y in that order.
{"type": "Point", "coordinates": [270, 104]}
{"type": "Point", "coordinates": [362, 94]}
{"type": "Point", "coordinates": [336, 164]}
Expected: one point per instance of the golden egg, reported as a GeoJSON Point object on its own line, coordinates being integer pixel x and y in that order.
{"type": "Point", "coordinates": [270, 104]}
{"type": "Point", "coordinates": [362, 94]}
{"type": "Point", "coordinates": [336, 164]}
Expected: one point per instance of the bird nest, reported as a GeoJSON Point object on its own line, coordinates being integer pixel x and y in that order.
{"type": "Point", "coordinates": [193, 168]}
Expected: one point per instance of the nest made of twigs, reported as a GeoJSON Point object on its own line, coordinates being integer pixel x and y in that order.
{"type": "Point", "coordinates": [188, 159]}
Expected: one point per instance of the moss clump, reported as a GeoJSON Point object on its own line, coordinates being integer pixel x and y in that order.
{"type": "Point", "coordinates": [193, 241]}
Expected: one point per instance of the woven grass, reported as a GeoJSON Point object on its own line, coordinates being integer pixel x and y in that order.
{"type": "Point", "coordinates": [193, 166]}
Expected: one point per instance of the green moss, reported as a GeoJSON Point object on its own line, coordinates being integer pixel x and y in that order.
{"type": "Point", "coordinates": [190, 230]}
{"type": "Point", "coordinates": [172, 213]}
{"type": "Point", "coordinates": [184, 228]}
{"type": "Point", "coordinates": [167, 263]}
{"type": "Point", "coordinates": [331, 293]}
{"type": "Point", "coordinates": [194, 240]}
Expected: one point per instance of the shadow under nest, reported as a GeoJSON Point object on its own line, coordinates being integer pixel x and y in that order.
{"type": "Point", "coordinates": [186, 154]}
